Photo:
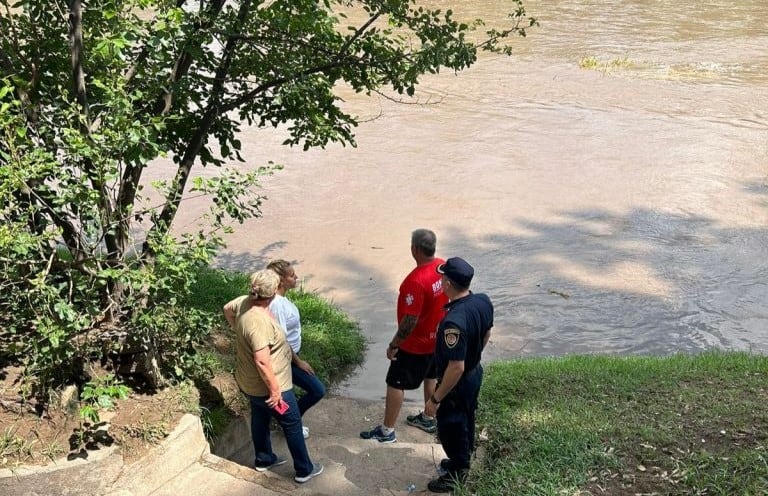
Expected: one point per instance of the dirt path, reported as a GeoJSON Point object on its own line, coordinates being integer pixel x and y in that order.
{"type": "Point", "coordinates": [353, 466]}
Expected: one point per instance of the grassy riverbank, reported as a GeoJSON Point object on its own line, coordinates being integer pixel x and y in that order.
{"type": "Point", "coordinates": [591, 425]}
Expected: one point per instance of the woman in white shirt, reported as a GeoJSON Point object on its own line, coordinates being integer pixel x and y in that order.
{"type": "Point", "coordinates": [287, 315]}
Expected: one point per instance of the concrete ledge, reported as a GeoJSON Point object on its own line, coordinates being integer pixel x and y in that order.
{"type": "Point", "coordinates": [186, 445]}
{"type": "Point", "coordinates": [93, 475]}
{"type": "Point", "coordinates": [105, 472]}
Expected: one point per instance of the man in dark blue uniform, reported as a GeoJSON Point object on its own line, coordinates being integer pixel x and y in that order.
{"type": "Point", "coordinates": [461, 337]}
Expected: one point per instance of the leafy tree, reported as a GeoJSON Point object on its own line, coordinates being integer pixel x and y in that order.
{"type": "Point", "coordinates": [92, 91]}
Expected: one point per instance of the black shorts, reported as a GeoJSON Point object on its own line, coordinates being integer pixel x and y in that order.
{"type": "Point", "coordinates": [408, 371]}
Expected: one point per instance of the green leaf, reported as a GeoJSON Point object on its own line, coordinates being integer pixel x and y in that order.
{"type": "Point", "coordinates": [105, 402]}
{"type": "Point", "coordinates": [89, 413]}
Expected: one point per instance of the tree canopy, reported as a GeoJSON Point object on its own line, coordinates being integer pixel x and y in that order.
{"type": "Point", "coordinates": [92, 91]}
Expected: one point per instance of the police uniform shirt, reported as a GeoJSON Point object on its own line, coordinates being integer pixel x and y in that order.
{"type": "Point", "coordinates": [461, 332]}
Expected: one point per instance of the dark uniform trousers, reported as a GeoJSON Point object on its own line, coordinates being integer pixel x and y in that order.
{"type": "Point", "coordinates": [456, 419]}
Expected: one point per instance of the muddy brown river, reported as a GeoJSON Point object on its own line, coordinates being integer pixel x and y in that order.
{"type": "Point", "coordinates": [607, 182]}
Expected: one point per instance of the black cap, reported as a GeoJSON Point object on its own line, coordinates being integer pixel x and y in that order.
{"type": "Point", "coordinates": [457, 270]}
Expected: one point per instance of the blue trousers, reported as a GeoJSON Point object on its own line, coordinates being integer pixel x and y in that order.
{"type": "Point", "coordinates": [290, 422]}
{"type": "Point", "coordinates": [314, 390]}
{"type": "Point", "coordinates": [456, 420]}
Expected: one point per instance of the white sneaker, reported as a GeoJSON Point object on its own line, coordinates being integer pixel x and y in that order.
{"type": "Point", "coordinates": [305, 431]}
{"type": "Point", "coordinates": [316, 470]}
{"type": "Point", "coordinates": [278, 461]}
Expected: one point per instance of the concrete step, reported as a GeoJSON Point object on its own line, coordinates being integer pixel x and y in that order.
{"type": "Point", "coordinates": [182, 465]}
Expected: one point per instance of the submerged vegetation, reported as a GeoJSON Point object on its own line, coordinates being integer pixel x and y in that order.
{"type": "Point", "coordinates": [699, 71]}
{"type": "Point", "coordinates": [595, 64]}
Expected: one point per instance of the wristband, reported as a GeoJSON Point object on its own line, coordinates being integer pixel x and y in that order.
{"type": "Point", "coordinates": [434, 400]}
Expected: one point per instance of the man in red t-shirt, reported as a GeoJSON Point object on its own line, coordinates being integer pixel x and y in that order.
{"type": "Point", "coordinates": [419, 311]}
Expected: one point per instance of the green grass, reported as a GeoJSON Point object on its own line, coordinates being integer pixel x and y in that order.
{"type": "Point", "coordinates": [582, 425]}
{"type": "Point", "coordinates": [330, 341]}
{"type": "Point", "coordinates": [13, 446]}
{"type": "Point", "coordinates": [214, 287]}
{"type": "Point", "coordinates": [214, 420]}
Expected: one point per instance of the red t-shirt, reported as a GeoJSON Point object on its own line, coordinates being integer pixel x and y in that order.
{"type": "Point", "coordinates": [421, 295]}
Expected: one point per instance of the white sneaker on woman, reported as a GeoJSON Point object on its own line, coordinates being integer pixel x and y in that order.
{"type": "Point", "coordinates": [316, 470]}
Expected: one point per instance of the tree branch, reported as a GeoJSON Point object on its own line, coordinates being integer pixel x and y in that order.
{"type": "Point", "coordinates": [129, 186]}
{"type": "Point", "coordinates": [76, 51]}
{"type": "Point", "coordinates": [184, 61]}
{"type": "Point", "coordinates": [359, 32]}
{"type": "Point", "coordinates": [339, 60]}
{"type": "Point", "coordinates": [71, 235]}
{"type": "Point", "coordinates": [81, 94]}
{"type": "Point", "coordinates": [195, 144]}
{"type": "Point", "coordinates": [133, 172]}
{"type": "Point", "coordinates": [143, 54]}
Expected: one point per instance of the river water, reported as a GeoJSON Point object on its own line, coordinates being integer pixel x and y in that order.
{"type": "Point", "coordinates": [618, 208]}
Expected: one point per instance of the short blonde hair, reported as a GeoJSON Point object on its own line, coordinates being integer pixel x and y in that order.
{"type": "Point", "coordinates": [264, 284]}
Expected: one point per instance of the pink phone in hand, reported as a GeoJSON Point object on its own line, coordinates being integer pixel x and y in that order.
{"type": "Point", "coordinates": [281, 407]}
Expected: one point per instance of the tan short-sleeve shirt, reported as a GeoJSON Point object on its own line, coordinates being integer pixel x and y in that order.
{"type": "Point", "coordinates": [254, 330]}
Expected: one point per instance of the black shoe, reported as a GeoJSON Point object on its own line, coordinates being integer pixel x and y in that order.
{"type": "Point", "coordinates": [377, 433]}
{"type": "Point", "coordinates": [447, 482]}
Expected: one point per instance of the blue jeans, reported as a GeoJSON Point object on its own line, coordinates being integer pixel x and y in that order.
{"type": "Point", "coordinates": [314, 390]}
{"type": "Point", "coordinates": [290, 422]}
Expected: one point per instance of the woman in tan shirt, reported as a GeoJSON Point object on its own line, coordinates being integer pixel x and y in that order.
{"type": "Point", "coordinates": [263, 373]}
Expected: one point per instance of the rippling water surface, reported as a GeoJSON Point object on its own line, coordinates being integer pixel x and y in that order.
{"type": "Point", "coordinates": [608, 183]}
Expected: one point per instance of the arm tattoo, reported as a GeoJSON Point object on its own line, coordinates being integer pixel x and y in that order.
{"type": "Point", "coordinates": [406, 326]}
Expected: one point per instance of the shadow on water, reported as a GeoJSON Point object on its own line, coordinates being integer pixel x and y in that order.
{"type": "Point", "coordinates": [643, 281]}
{"type": "Point", "coordinates": [759, 188]}
{"type": "Point", "coordinates": [646, 282]}
{"type": "Point", "coordinates": [594, 281]}
{"type": "Point", "coordinates": [250, 261]}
